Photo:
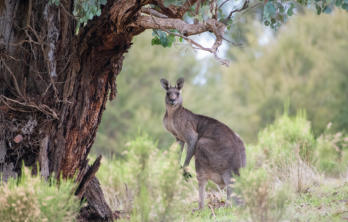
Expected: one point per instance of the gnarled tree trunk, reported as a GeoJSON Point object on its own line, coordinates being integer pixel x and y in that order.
{"type": "Point", "coordinates": [54, 85]}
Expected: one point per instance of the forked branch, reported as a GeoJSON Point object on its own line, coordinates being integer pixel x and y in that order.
{"type": "Point", "coordinates": [158, 16]}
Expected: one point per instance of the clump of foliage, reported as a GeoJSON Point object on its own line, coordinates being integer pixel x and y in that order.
{"type": "Point", "coordinates": [332, 152]}
{"type": "Point", "coordinates": [30, 198]}
{"type": "Point", "coordinates": [286, 138]}
{"type": "Point", "coordinates": [277, 166]}
{"type": "Point", "coordinates": [148, 184]}
{"type": "Point", "coordinates": [286, 148]}
{"type": "Point", "coordinates": [285, 165]}
{"type": "Point", "coordinates": [263, 199]}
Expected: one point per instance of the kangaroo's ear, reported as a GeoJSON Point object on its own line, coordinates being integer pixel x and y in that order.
{"type": "Point", "coordinates": [180, 83]}
{"type": "Point", "coordinates": [164, 84]}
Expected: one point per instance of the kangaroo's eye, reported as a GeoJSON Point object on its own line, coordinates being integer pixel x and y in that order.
{"type": "Point", "coordinates": [168, 94]}
{"type": "Point", "coordinates": [177, 94]}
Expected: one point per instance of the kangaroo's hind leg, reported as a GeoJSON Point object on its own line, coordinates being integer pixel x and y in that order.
{"type": "Point", "coordinates": [227, 178]}
{"type": "Point", "coordinates": [201, 184]}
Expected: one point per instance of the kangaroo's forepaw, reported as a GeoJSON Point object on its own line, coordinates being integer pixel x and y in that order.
{"type": "Point", "coordinates": [187, 175]}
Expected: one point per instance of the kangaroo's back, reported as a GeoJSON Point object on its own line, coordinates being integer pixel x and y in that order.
{"type": "Point", "coordinates": [218, 147]}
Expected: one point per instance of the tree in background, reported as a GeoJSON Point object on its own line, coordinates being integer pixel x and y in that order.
{"type": "Point", "coordinates": [305, 66]}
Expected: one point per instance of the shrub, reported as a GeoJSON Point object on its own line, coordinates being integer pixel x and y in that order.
{"type": "Point", "coordinates": [287, 148]}
{"type": "Point", "coordinates": [264, 199]}
{"type": "Point", "coordinates": [30, 198]}
{"type": "Point", "coordinates": [148, 184]}
{"type": "Point", "coordinates": [287, 137]}
{"type": "Point", "coordinates": [278, 165]}
{"type": "Point", "coordinates": [332, 152]}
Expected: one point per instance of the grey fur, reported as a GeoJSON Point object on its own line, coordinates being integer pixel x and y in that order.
{"type": "Point", "coordinates": [219, 152]}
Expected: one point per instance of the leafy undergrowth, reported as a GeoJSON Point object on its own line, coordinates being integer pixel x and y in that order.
{"type": "Point", "coordinates": [31, 198]}
{"type": "Point", "coordinates": [290, 176]}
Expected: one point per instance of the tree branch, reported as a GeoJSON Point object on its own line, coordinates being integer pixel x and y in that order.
{"type": "Point", "coordinates": [151, 22]}
{"type": "Point", "coordinates": [185, 29]}
{"type": "Point", "coordinates": [170, 17]}
{"type": "Point", "coordinates": [151, 11]}
{"type": "Point", "coordinates": [245, 5]}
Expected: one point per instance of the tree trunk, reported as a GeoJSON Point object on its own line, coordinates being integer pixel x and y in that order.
{"type": "Point", "coordinates": [54, 85]}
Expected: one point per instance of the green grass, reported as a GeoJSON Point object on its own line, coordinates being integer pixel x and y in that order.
{"type": "Point", "coordinates": [328, 202]}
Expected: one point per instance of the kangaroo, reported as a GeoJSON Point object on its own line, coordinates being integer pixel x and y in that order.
{"type": "Point", "coordinates": [219, 152]}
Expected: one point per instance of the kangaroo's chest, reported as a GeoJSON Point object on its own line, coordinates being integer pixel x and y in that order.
{"type": "Point", "coordinates": [173, 127]}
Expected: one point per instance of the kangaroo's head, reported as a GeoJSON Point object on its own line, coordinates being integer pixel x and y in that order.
{"type": "Point", "coordinates": [173, 96]}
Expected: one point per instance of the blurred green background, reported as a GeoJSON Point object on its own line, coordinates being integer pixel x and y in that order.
{"type": "Point", "coordinates": [302, 66]}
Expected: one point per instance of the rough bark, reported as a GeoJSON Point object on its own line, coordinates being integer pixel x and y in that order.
{"type": "Point", "coordinates": [54, 86]}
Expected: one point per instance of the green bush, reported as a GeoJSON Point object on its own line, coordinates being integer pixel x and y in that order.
{"type": "Point", "coordinates": [148, 184]}
{"type": "Point", "coordinates": [332, 153]}
{"type": "Point", "coordinates": [286, 138]}
{"type": "Point", "coordinates": [264, 200]}
{"type": "Point", "coordinates": [278, 165]}
{"type": "Point", "coordinates": [30, 198]}
{"type": "Point", "coordinates": [287, 148]}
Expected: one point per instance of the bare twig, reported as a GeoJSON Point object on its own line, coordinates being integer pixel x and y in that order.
{"type": "Point", "coordinates": [42, 44]}
{"type": "Point", "coordinates": [11, 107]}
{"type": "Point", "coordinates": [252, 7]}
{"type": "Point", "coordinates": [40, 107]}
{"type": "Point", "coordinates": [232, 43]}
{"type": "Point", "coordinates": [200, 47]}
{"type": "Point", "coordinates": [245, 5]}
{"type": "Point", "coordinates": [14, 79]}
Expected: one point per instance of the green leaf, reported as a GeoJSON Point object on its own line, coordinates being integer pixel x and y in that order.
{"type": "Point", "coordinates": [90, 15]}
{"type": "Point", "coordinates": [280, 7]}
{"type": "Point", "coordinates": [103, 2]}
{"type": "Point", "coordinates": [155, 41]}
{"type": "Point", "coordinates": [98, 12]}
{"type": "Point", "coordinates": [290, 11]}
{"type": "Point", "coordinates": [162, 38]}
{"type": "Point", "coordinates": [318, 9]}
